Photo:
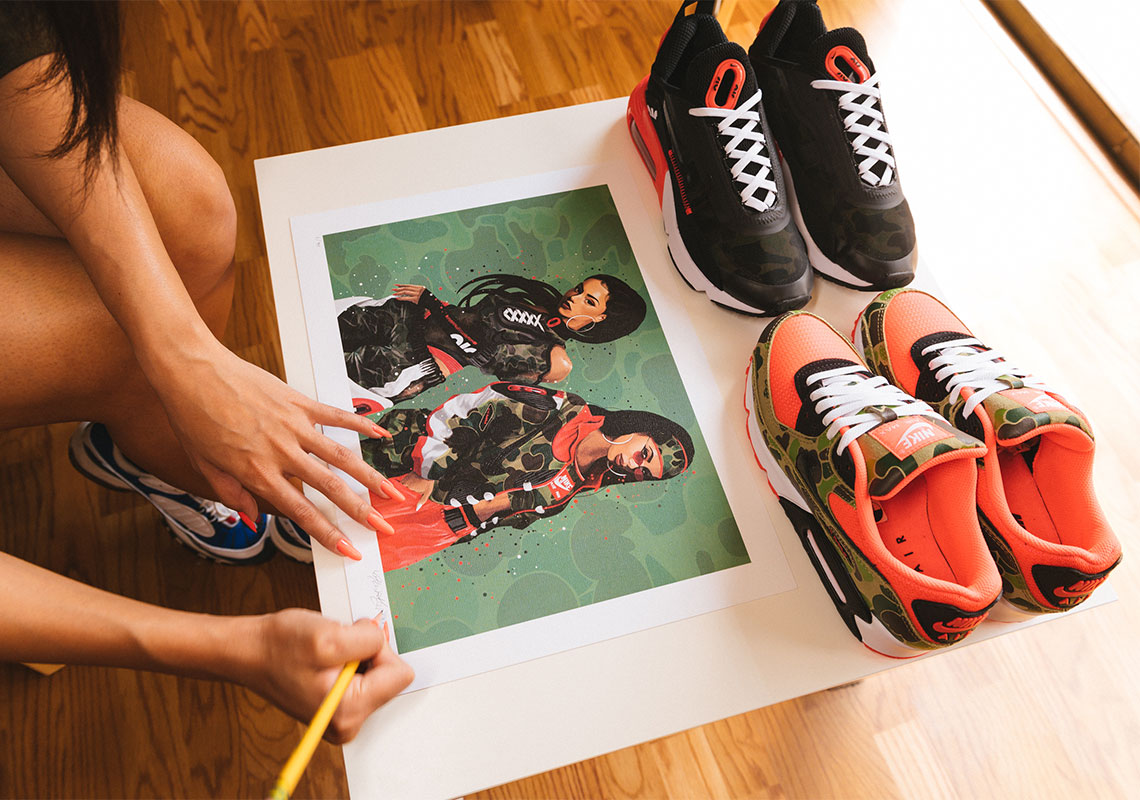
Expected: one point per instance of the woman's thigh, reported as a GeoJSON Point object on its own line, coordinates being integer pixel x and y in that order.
{"type": "Point", "coordinates": [62, 355]}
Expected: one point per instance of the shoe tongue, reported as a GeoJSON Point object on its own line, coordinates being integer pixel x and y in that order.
{"type": "Point", "coordinates": [840, 55]}
{"type": "Point", "coordinates": [720, 77]}
{"type": "Point", "coordinates": [898, 451]}
{"type": "Point", "coordinates": [1021, 412]}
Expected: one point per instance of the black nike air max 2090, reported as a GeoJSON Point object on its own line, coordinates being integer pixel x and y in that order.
{"type": "Point", "coordinates": [822, 96]}
{"type": "Point", "coordinates": [699, 126]}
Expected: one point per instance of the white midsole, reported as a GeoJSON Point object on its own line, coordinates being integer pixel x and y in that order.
{"type": "Point", "coordinates": [1005, 611]}
{"type": "Point", "coordinates": [684, 262]}
{"type": "Point", "coordinates": [819, 261]}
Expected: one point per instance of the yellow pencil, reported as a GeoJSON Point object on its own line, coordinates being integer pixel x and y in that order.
{"type": "Point", "coordinates": [295, 766]}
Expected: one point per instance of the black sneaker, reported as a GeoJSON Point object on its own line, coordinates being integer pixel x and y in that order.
{"type": "Point", "coordinates": [821, 90]}
{"type": "Point", "coordinates": [697, 119]}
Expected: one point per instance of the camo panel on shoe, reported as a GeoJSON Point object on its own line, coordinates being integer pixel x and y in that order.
{"type": "Point", "coordinates": [886, 234]}
{"type": "Point", "coordinates": [809, 463]}
{"type": "Point", "coordinates": [1011, 419]}
{"type": "Point", "coordinates": [885, 470]}
{"type": "Point", "coordinates": [1014, 586]}
{"type": "Point", "coordinates": [873, 341]}
{"type": "Point", "coordinates": [776, 258]}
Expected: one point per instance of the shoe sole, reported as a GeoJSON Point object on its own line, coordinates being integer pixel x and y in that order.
{"type": "Point", "coordinates": [286, 547]}
{"type": "Point", "coordinates": [94, 467]}
{"type": "Point", "coordinates": [852, 609]}
{"type": "Point", "coordinates": [90, 466]}
{"type": "Point", "coordinates": [823, 265]}
{"type": "Point", "coordinates": [653, 156]}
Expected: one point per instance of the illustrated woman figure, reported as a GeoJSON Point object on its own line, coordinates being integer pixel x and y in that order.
{"type": "Point", "coordinates": [508, 454]}
{"type": "Point", "coordinates": [512, 328]}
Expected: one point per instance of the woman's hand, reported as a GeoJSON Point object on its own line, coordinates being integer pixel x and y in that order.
{"type": "Point", "coordinates": [291, 657]}
{"type": "Point", "coordinates": [297, 655]}
{"type": "Point", "coordinates": [248, 434]}
{"type": "Point", "coordinates": [408, 292]}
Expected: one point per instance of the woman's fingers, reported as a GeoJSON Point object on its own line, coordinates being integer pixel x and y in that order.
{"type": "Point", "coordinates": [339, 418]}
{"type": "Point", "coordinates": [339, 456]}
{"type": "Point", "coordinates": [327, 483]}
{"type": "Point", "coordinates": [385, 678]}
{"type": "Point", "coordinates": [297, 507]}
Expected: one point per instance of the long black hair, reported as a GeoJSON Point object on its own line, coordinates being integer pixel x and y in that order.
{"type": "Point", "coordinates": [625, 308]}
{"type": "Point", "coordinates": [675, 443]}
{"type": "Point", "coordinates": [85, 39]}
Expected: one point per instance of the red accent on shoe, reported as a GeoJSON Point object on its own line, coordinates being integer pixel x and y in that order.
{"type": "Point", "coordinates": [641, 128]}
{"type": "Point", "coordinates": [855, 66]}
{"type": "Point", "coordinates": [764, 21]}
{"type": "Point", "coordinates": [715, 85]}
{"type": "Point", "coordinates": [680, 182]}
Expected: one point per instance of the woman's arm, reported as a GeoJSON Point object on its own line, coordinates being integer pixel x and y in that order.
{"type": "Point", "coordinates": [291, 657]}
{"type": "Point", "coordinates": [244, 430]}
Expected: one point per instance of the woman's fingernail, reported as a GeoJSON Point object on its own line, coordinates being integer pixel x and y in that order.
{"type": "Point", "coordinates": [380, 432]}
{"type": "Point", "coordinates": [345, 548]}
{"type": "Point", "coordinates": [391, 490]}
{"type": "Point", "coordinates": [378, 523]}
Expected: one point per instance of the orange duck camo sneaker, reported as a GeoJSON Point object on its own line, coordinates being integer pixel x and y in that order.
{"type": "Point", "coordinates": [1036, 504]}
{"type": "Point", "coordinates": [878, 486]}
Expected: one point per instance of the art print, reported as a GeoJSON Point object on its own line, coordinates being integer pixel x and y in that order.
{"type": "Point", "coordinates": [550, 460]}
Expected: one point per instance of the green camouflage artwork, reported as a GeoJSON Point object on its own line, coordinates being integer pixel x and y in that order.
{"type": "Point", "coordinates": [617, 541]}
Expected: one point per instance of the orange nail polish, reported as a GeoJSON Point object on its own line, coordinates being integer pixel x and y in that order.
{"type": "Point", "coordinates": [345, 548]}
{"type": "Point", "coordinates": [378, 431]}
{"type": "Point", "coordinates": [378, 523]}
{"type": "Point", "coordinates": [393, 492]}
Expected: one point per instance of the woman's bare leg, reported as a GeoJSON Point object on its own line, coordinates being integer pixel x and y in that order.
{"type": "Point", "coordinates": [63, 356]}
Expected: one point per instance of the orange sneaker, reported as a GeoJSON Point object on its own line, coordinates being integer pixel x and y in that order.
{"type": "Point", "coordinates": [878, 486]}
{"type": "Point", "coordinates": [1036, 504]}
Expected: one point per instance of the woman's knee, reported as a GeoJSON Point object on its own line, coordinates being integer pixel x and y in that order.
{"type": "Point", "coordinates": [187, 194]}
{"type": "Point", "coordinates": [200, 237]}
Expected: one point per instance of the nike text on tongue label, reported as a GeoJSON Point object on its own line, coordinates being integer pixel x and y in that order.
{"type": "Point", "coordinates": [724, 88]}
{"type": "Point", "coordinates": [844, 65]}
{"type": "Point", "coordinates": [1036, 401]}
{"type": "Point", "coordinates": [904, 436]}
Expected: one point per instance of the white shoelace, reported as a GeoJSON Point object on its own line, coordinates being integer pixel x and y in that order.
{"type": "Point", "coordinates": [845, 391]}
{"type": "Point", "coordinates": [861, 100]}
{"type": "Point", "coordinates": [977, 369]}
{"type": "Point", "coordinates": [216, 512]}
{"type": "Point", "coordinates": [737, 127]}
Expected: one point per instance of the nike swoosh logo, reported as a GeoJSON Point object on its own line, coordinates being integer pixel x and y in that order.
{"type": "Point", "coordinates": [958, 625]}
{"type": "Point", "coordinates": [1079, 589]}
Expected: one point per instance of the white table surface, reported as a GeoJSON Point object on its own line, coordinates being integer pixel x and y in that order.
{"type": "Point", "coordinates": [499, 726]}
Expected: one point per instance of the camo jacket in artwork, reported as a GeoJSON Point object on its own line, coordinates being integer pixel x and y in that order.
{"type": "Point", "coordinates": [511, 438]}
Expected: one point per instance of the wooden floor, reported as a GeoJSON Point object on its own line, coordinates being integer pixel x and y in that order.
{"type": "Point", "coordinates": [1035, 239]}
